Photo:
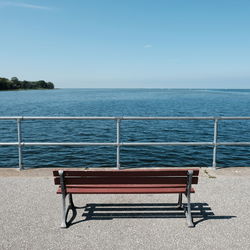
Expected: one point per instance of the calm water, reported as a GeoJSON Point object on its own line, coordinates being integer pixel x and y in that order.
{"type": "Point", "coordinates": [125, 102]}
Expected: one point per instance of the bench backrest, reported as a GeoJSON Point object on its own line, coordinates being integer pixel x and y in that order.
{"type": "Point", "coordinates": [142, 176]}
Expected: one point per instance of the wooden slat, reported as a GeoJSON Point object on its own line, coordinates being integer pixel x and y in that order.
{"type": "Point", "coordinates": [128, 186]}
{"type": "Point", "coordinates": [130, 172]}
{"type": "Point", "coordinates": [124, 190]}
{"type": "Point", "coordinates": [126, 180]}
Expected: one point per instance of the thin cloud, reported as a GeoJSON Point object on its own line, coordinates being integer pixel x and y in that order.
{"type": "Point", "coordinates": [147, 46]}
{"type": "Point", "coordinates": [25, 5]}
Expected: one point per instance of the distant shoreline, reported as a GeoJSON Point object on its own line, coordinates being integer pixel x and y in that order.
{"type": "Point", "coordinates": [15, 84]}
{"type": "Point", "coordinates": [3, 90]}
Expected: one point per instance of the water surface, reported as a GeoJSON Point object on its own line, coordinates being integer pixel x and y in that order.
{"type": "Point", "coordinates": [125, 102]}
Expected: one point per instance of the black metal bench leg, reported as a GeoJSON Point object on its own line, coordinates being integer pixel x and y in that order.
{"type": "Point", "coordinates": [179, 202]}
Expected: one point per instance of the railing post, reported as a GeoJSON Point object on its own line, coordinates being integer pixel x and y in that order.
{"type": "Point", "coordinates": [19, 138]}
{"type": "Point", "coordinates": [215, 142]}
{"type": "Point", "coordinates": [118, 125]}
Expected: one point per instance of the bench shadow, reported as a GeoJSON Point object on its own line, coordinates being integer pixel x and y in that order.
{"type": "Point", "coordinates": [108, 211]}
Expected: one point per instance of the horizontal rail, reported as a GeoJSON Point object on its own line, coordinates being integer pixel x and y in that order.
{"type": "Point", "coordinates": [122, 118]}
{"type": "Point", "coordinates": [183, 143]}
{"type": "Point", "coordinates": [125, 144]}
{"type": "Point", "coordinates": [58, 144]}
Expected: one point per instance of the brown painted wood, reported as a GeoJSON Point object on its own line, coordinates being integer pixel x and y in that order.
{"type": "Point", "coordinates": [124, 190]}
{"type": "Point", "coordinates": [129, 172]}
{"type": "Point", "coordinates": [125, 180]}
{"type": "Point", "coordinates": [128, 185]}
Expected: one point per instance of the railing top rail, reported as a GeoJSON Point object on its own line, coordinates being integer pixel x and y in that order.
{"type": "Point", "coordinates": [124, 118]}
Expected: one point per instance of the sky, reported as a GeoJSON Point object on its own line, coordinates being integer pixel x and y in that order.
{"type": "Point", "coordinates": [127, 43]}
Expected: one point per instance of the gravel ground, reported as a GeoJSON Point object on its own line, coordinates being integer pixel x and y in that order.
{"type": "Point", "coordinates": [30, 214]}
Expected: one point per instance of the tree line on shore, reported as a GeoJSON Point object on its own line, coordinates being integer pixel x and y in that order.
{"type": "Point", "coordinates": [15, 83]}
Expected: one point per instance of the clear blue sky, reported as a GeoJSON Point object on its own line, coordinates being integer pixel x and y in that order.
{"type": "Point", "coordinates": [123, 43]}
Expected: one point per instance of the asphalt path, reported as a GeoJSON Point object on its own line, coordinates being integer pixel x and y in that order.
{"type": "Point", "coordinates": [30, 214]}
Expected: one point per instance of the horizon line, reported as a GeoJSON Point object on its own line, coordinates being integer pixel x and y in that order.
{"type": "Point", "coordinates": [143, 88]}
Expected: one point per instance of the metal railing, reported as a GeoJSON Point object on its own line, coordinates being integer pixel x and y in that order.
{"type": "Point", "coordinates": [20, 143]}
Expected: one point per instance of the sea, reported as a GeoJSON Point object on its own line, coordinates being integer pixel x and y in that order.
{"type": "Point", "coordinates": [125, 102]}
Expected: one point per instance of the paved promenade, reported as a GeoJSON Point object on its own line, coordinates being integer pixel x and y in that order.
{"type": "Point", "coordinates": [30, 214]}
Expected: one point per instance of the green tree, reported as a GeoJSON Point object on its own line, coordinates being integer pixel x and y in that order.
{"type": "Point", "coordinates": [14, 83]}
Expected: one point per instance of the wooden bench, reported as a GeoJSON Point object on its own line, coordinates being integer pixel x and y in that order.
{"type": "Point", "coordinates": [150, 181]}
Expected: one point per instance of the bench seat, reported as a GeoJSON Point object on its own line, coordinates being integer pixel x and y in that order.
{"type": "Point", "coordinates": [126, 189]}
